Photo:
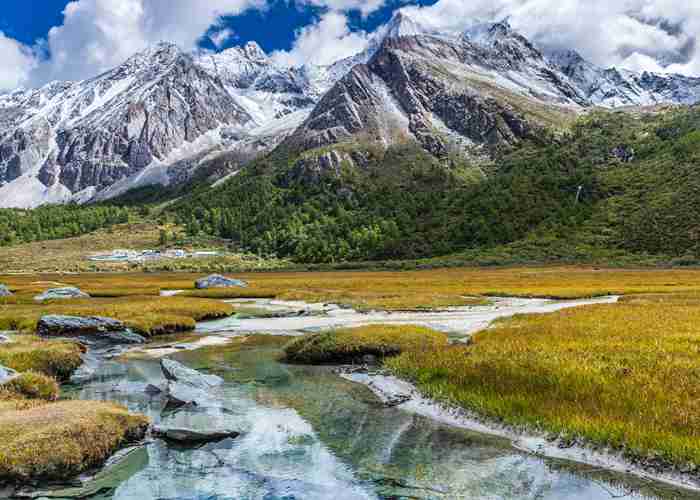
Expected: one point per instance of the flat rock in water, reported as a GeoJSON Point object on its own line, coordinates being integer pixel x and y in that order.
{"type": "Point", "coordinates": [176, 372]}
{"type": "Point", "coordinates": [4, 291]}
{"type": "Point", "coordinates": [106, 329]}
{"type": "Point", "coordinates": [218, 281]}
{"type": "Point", "coordinates": [189, 436]}
{"type": "Point", "coordinates": [62, 294]}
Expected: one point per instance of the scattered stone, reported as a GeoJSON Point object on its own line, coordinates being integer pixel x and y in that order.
{"type": "Point", "coordinates": [175, 372]}
{"type": "Point", "coordinates": [189, 436]}
{"type": "Point", "coordinates": [106, 329]}
{"type": "Point", "coordinates": [4, 291]}
{"type": "Point", "coordinates": [218, 281]}
{"type": "Point", "coordinates": [62, 294]}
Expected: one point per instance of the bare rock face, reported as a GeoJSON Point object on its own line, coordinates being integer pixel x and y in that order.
{"type": "Point", "coordinates": [176, 372]}
{"type": "Point", "coordinates": [218, 281]}
{"type": "Point", "coordinates": [191, 436]}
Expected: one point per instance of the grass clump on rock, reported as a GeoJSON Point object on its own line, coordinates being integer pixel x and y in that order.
{"type": "Point", "coordinates": [55, 359]}
{"type": "Point", "coordinates": [351, 344]}
{"type": "Point", "coordinates": [33, 385]}
{"type": "Point", "coordinates": [56, 441]}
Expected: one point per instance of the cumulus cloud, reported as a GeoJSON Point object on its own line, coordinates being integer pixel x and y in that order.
{"type": "Point", "coordinates": [640, 34]}
{"type": "Point", "coordinates": [328, 40]}
{"type": "Point", "coordinates": [17, 63]}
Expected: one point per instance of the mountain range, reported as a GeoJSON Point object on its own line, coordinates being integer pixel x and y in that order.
{"type": "Point", "coordinates": [165, 116]}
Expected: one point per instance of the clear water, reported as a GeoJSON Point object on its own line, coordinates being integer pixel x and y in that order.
{"type": "Point", "coordinates": [309, 434]}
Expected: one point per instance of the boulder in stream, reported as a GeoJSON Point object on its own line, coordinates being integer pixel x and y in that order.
{"type": "Point", "coordinates": [105, 329]}
{"type": "Point", "coordinates": [62, 294]}
{"type": "Point", "coordinates": [190, 436]}
{"type": "Point", "coordinates": [4, 291]}
{"type": "Point", "coordinates": [218, 281]}
{"type": "Point", "coordinates": [176, 372]}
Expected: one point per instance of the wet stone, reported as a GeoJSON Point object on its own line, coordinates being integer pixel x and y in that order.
{"type": "Point", "coordinates": [62, 294]}
{"type": "Point", "coordinates": [218, 281]}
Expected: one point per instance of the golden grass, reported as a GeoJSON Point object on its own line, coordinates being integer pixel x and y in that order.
{"type": "Point", "coordinates": [147, 315]}
{"type": "Point", "coordinates": [398, 290]}
{"type": "Point", "coordinates": [625, 376]}
{"type": "Point", "coordinates": [56, 441]}
{"type": "Point", "coordinates": [55, 359]}
{"type": "Point", "coordinates": [351, 344]}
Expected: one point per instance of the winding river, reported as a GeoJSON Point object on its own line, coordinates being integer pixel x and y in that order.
{"type": "Point", "coordinates": [308, 433]}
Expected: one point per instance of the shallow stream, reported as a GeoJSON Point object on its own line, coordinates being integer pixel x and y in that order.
{"type": "Point", "coordinates": [307, 433]}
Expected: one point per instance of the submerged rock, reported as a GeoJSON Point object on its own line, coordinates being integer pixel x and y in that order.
{"type": "Point", "coordinates": [176, 372]}
{"type": "Point", "coordinates": [218, 281]}
{"type": "Point", "coordinates": [4, 291]}
{"type": "Point", "coordinates": [105, 329]}
{"type": "Point", "coordinates": [190, 436]}
{"type": "Point", "coordinates": [62, 294]}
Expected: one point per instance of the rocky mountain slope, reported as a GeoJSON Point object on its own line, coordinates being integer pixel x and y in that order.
{"type": "Point", "coordinates": [153, 119]}
{"type": "Point", "coordinates": [163, 114]}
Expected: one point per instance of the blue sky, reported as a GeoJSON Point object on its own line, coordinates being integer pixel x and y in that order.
{"type": "Point", "coordinates": [273, 28]}
{"type": "Point", "coordinates": [44, 40]}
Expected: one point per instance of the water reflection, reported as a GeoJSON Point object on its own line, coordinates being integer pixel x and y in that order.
{"type": "Point", "coordinates": [308, 434]}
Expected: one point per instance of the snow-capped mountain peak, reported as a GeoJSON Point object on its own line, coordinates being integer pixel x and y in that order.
{"type": "Point", "coordinates": [402, 25]}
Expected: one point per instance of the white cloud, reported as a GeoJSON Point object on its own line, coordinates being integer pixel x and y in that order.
{"type": "Point", "coordinates": [626, 33]}
{"type": "Point", "coordinates": [366, 7]}
{"type": "Point", "coordinates": [98, 34]}
{"type": "Point", "coordinates": [327, 40]}
{"type": "Point", "coordinates": [17, 63]}
{"type": "Point", "coordinates": [221, 36]}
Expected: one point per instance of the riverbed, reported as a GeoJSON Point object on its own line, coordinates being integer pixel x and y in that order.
{"type": "Point", "coordinates": [308, 433]}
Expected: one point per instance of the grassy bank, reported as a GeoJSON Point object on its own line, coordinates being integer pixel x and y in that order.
{"type": "Point", "coordinates": [56, 441]}
{"type": "Point", "coordinates": [149, 315]}
{"type": "Point", "coordinates": [351, 344]}
{"type": "Point", "coordinates": [27, 353]}
{"type": "Point", "coordinates": [623, 376]}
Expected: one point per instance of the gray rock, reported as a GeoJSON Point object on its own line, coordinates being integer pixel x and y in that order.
{"type": "Point", "coordinates": [190, 436]}
{"type": "Point", "coordinates": [218, 281]}
{"type": "Point", "coordinates": [175, 372]}
{"type": "Point", "coordinates": [152, 390]}
{"type": "Point", "coordinates": [62, 294]}
{"type": "Point", "coordinates": [6, 374]}
{"type": "Point", "coordinates": [103, 329]}
{"type": "Point", "coordinates": [4, 291]}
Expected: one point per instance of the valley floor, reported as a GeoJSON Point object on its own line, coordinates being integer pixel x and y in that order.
{"type": "Point", "coordinates": [620, 376]}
